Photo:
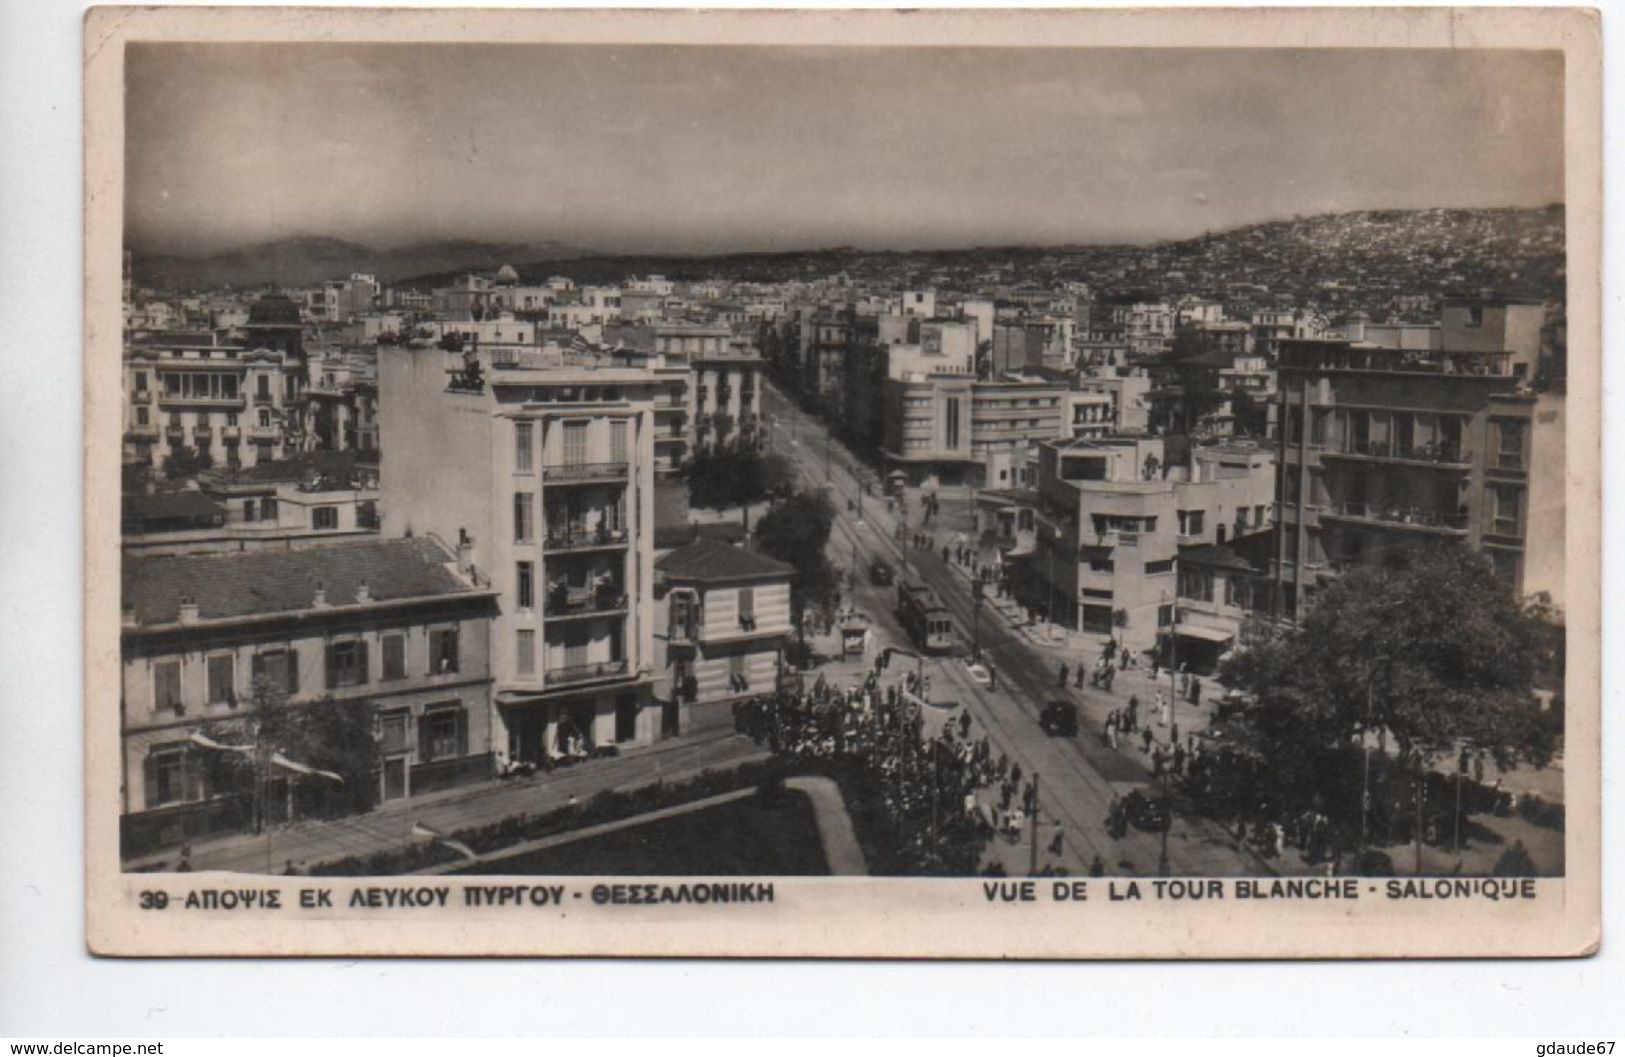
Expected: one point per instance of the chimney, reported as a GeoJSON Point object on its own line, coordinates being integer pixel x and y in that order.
{"type": "Point", "coordinates": [363, 594]}
{"type": "Point", "coordinates": [189, 610]}
{"type": "Point", "coordinates": [320, 601]}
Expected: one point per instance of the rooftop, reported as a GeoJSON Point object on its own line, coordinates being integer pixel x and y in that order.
{"type": "Point", "coordinates": [710, 559]}
{"type": "Point", "coordinates": [254, 583]}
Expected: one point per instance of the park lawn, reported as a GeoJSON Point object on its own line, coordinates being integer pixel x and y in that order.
{"type": "Point", "coordinates": [746, 837]}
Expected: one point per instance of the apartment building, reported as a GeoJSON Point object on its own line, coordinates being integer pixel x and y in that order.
{"type": "Point", "coordinates": [395, 623]}
{"type": "Point", "coordinates": [726, 386]}
{"type": "Point", "coordinates": [1384, 449]}
{"type": "Point", "coordinates": [723, 615]}
{"type": "Point", "coordinates": [1113, 516]}
{"type": "Point", "coordinates": [952, 429]}
{"type": "Point", "coordinates": [542, 471]}
{"type": "Point", "coordinates": [192, 394]}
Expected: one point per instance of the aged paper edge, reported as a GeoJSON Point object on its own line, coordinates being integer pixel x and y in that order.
{"type": "Point", "coordinates": [859, 917]}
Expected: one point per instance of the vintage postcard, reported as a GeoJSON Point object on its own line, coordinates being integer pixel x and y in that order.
{"type": "Point", "coordinates": [843, 484]}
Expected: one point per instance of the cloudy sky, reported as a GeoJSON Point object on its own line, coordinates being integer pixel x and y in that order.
{"type": "Point", "coordinates": [705, 149]}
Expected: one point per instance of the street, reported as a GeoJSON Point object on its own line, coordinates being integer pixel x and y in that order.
{"type": "Point", "coordinates": [1079, 776]}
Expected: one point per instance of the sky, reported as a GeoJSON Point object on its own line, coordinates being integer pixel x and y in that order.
{"type": "Point", "coordinates": [711, 149]}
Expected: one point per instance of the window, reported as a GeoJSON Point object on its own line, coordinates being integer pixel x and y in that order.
{"type": "Point", "coordinates": [1191, 522]}
{"type": "Point", "coordinates": [346, 664]}
{"type": "Point", "coordinates": [392, 732]}
{"type": "Point", "coordinates": [443, 655]}
{"type": "Point", "coordinates": [1165, 616]}
{"type": "Point", "coordinates": [394, 650]}
{"type": "Point", "coordinates": [575, 443]}
{"type": "Point", "coordinates": [951, 422]}
{"type": "Point", "coordinates": [1509, 455]}
{"type": "Point", "coordinates": [617, 441]}
{"type": "Point", "coordinates": [142, 416]}
{"type": "Point", "coordinates": [1508, 511]}
{"type": "Point", "coordinates": [172, 776]}
{"type": "Point", "coordinates": [231, 418]}
{"type": "Point", "coordinates": [276, 670]}
{"type": "Point", "coordinates": [738, 674]}
{"type": "Point", "coordinates": [166, 685]}
{"type": "Point", "coordinates": [324, 517]}
{"type": "Point", "coordinates": [1157, 568]}
{"type": "Point", "coordinates": [222, 672]}
{"type": "Point", "coordinates": [263, 417]}
{"type": "Point", "coordinates": [526, 646]}
{"type": "Point", "coordinates": [140, 381]}
{"type": "Point", "coordinates": [268, 510]}
{"type": "Point", "coordinates": [747, 609]}
{"type": "Point", "coordinates": [442, 734]}
{"type": "Point", "coordinates": [524, 438]}
{"type": "Point", "coordinates": [526, 584]}
{"type": "Point", "coordinates": [262, 391]}
{"type": "Point", "coordinates": [524, 528]}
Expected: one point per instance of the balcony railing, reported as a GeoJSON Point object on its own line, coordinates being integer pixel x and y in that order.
{"type": "Point", "coordinates": [1404, 517]}
{"type": "Point", "coordinates": [583, 604]}
{"type": "Point", "coordinates": [176, 399]}
{"type": "Point", "coordinates": [1437, 454]}
{"type": "Point", "coordinates": [585, 471]}
{"type": "Point", "coordinates": [576, 541]}
{"type": "Point", "coordinates": [582, 673]}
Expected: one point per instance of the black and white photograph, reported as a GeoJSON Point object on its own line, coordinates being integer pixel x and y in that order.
{"type": "Point", "coordinates": [584, 472]}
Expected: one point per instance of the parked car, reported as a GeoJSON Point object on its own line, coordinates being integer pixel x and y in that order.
{"type": "Point", "coordinates": [1148, 814]}
{"type": "Point", "coordinates": [881, 574]}
{"type": "Point", "coordinates": [979, 674]}
{"type": "Point", "coordinates": [1059, 719]}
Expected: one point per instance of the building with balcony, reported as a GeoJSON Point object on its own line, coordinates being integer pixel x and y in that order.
{"type": "Point", "coordinates": [1383, 449]}
{"type": "Point", "coordinates": [726, 388]}
{"type": "Point", "coordinates": [542, 469]}
{"type": "Point", "coordinates": [396, 624]}
{"type": "Point", "coordinates": [724, 619]}
{"type": "Point", "coordinates": [1112, 517]}
{"type": "Point", "coordinates": [195, 395]}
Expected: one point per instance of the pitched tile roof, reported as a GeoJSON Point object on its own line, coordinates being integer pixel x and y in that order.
{"type": "Point", "coordinates": [249, 583]}
{"type": "Point", "coordinates": [708, 559]}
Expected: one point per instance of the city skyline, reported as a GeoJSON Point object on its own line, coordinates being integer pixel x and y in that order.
{"type": "Point", "coordinates": [713, 150]}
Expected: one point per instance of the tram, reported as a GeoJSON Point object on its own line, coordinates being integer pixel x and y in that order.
{"type": "Point", "coordinates": [930, 627]}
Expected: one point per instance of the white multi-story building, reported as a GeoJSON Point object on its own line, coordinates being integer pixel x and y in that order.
{"type": "Point", "coordinates": [540, 471]}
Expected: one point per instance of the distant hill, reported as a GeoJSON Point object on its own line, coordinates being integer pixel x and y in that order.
{"type": "Point", "coordinates": [307, 259]}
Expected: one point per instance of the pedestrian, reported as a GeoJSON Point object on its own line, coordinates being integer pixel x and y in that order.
{"type": "Point", "coordinates": [185, 865]}
{"type": "Point", "coordinates": [1162, 709]}
{"type": "Point", "coordinates": [1128, 659]}
{"type": "Point", "coordinates": [1056, 844]}
{"type": "Point", "coordinates": [1063, 675]}
{"type": "Point", "coordinates": [1108, 677]}
{"type": "Point", "coordinates": [1147, 738]}
{"type": "Point", "coordinates": [1156, 667]}
{"type": "Point", "coordinates": [1157, 761]}
{"type": "Point", "coordinates": [992, 678]}
{"type": "Point", "coordinates": [1196, 691]}
{"type": "Point", "coordinates": [1133, 716]}
{"type": "Point", "coordinates": [964, 724]}
{"type": "Point", "coordinates": [1179, 760]}
{"type": "Point", "coordinates": [1077, 683]}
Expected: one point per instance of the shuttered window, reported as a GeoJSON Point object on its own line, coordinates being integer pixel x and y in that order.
{"type": "Point", "coordinates": [166, 684]}
{"type": "Point", "coordinates": [346, 664]}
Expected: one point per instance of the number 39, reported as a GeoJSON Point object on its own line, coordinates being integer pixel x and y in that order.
{"type": "Point", "coordinates": [154, 900]}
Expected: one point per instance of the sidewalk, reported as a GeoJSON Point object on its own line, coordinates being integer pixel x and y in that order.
{"type": "Point", "coordinates": [390, 826]}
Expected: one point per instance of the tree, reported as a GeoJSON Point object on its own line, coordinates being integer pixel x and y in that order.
{"type": "Point", "coordinates": [735, 477]}
{"type": "Point", "coordinates": [1433, 651]}
{"type": "Point", "coordinates": [187, 462]}
{"type": "Point", "coordinates": [797, 532]}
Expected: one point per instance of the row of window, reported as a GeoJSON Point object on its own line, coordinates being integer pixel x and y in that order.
{"type": "Point", "coordinates": [346, 664]}
{"type": "Point", "coordinates": [575, 444]}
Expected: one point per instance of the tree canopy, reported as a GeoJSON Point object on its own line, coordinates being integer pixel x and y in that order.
{"type": "Point", "coordinates": [735, 477]}
{"type": "Point", "coordinates": [1434, 651]}
{"type": "Point", "coordinates": [797, 531]}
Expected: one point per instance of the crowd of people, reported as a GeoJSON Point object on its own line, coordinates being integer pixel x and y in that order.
{"type": "Point", "coordinates": [933, 802]}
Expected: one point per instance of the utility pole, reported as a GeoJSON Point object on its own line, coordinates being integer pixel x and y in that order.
{"type": "Point", "coordinates": [1032, 861]}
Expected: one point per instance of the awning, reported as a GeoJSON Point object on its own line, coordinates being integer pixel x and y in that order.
{"type": "Point", "coordinates": [1196, 631]}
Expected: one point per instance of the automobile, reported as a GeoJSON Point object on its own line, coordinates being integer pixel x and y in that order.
{"type": "Point", "coordinates": [1146, 813]}
{"type": "Point", "coordinates": [979, 674]}
{"type": "Point", "coordinates": [881, 574]}
{"type": "Point", "coordinates": [1059, 719]}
